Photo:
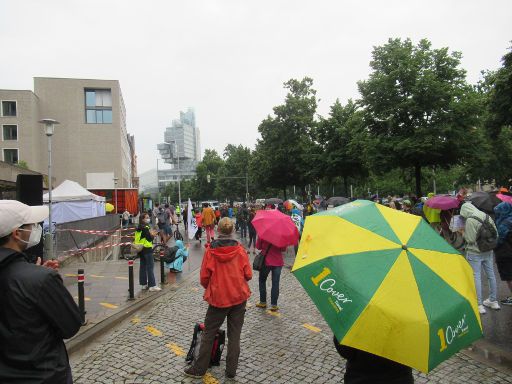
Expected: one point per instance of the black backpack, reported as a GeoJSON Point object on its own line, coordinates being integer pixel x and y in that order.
{"type": "Point", "coordinates": [486, 236]}
{"type": "Point", "coordinates": [217, 347]}
{"type": "Point", "coordinates": [170, 254]}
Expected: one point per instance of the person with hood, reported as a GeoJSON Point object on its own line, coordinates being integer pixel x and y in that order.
{"type": "Point", "coordinates": [224, 274]}
{"type": "Point", "coordinates": [180, 258]}
{"type": "Point", "coordinates": [477, 258]}
{"type": "Point", "coordinates": [503, 251]}
{"type": "Point", "coordinates": [37, 311]}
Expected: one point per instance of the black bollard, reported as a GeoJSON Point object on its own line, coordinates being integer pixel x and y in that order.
{"type": "Point", "coordinates": [130, 280]}
{"type": "Point", "coordinates": [162, 269]}
{"type": "Point", "coordinates": [81, 297]}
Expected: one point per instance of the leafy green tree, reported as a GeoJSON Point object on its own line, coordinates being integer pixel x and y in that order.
{"type": "Point", "coordinates": [419, 109]}
{"type": "Point", "coordinates": [282, 156]}
{"type": "Point", "coordinates": [341, 138]}
{"type": "Point", "coordinates": [210, 165]}
{"type": "Point", "coordinates": [231, 178]}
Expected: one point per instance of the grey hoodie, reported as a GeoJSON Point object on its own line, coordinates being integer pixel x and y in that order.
{"type": "Point", "coordinates": [472, 226]}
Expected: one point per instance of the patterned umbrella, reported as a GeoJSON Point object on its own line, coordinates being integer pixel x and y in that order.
{"type": "Point", "coordinates": [388, 284]}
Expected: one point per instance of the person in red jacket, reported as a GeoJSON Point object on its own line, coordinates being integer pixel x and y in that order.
{"type": "Point", "coordinates": [224, 274]}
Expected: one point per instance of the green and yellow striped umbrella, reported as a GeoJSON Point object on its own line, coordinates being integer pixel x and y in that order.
{"type": "Point", "coordinates": [388, 284]}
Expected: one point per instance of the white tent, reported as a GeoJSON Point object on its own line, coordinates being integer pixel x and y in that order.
{"type": "Point", "coordinates": [71, 201]}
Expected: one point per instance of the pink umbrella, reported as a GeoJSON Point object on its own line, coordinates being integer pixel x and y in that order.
{"type": "Point", "coordinates": [443, 202]}
{"type": "Point", "coordinates": [276, 228]}
{"type": "Point", "coordinates": [506, 198]}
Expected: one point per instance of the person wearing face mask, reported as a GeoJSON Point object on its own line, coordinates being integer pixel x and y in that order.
{"type": "Point", "coordinates": [37, 311]}
{"type": "Point", "coordinates": [144, 235]}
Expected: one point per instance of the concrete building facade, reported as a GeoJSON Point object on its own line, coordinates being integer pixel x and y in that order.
{"type": "Point", "coordinates": [91, 136]}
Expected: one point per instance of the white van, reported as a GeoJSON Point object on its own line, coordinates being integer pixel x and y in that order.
{"type": "Point", "coordinates": [214, 204]}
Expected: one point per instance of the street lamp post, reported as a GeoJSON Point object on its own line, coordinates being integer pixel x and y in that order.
{"type": "Point", "coordinates": [49, 128]}
{"type": "Point", "coordinates": [179, 174]}
{"type": "Point", "coordinates": [158, 181]}
{"type": "Point", "coordinates": [115, 193]}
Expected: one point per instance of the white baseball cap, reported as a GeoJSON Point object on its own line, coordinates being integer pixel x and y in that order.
{"type": "Point", "coordinates": [14, 214]}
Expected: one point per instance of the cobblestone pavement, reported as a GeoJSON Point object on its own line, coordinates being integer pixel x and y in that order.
{"type": "Point", "coordinates": [294, 346]}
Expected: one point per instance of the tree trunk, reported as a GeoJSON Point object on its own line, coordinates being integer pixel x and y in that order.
{"type": "Point", "coordinates": [417, 175]}
{"type": "Point", "coordinates": [345, 183]}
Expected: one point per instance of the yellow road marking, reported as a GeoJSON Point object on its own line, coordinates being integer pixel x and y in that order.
{"type": "Point", "coordinates": [178, 351]}
{"type": "Point", "coordinates": [273, 313]}
{"type": "Point", "coordinates": [209, 379]}
{"type": "Point", "coordinates": [96, 276]}
{"type": "Point", "coordinates": [121, 278]}
{"type": "Point", "coordinates": [153, 330]}
{"type": "Point", "coordinates": [70, 275]}
{"type": "Point", "coordinates": [135, 320]}
{"type": "Point", "coordinates": [85, 298]}
{"type": "Point", "coordinates": [311, 327]}
{"type": "Point", "coordinates": [109, 306]}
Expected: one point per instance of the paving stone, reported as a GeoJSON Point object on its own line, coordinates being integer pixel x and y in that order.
{"type": "Point", "coordinates": [273, 349]}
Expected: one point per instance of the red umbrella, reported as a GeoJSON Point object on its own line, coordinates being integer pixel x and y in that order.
{"type": "Point", "coordinates": [276, 228]}
{"type": "Point", "coordinates": [504, 197]}
{"type": "Point", "coordinates": [443, 202]}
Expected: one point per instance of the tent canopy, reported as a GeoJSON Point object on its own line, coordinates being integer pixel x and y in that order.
{"type": "Point", "coordinates": [71, 191]}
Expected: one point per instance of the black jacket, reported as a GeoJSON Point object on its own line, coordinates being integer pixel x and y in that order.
{"type": "Point", "coordinates": [36, 313]}
{"type": "Point", "coordinates": [367, 368]}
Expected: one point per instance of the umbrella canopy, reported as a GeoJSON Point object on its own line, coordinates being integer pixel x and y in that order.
{"type": "Point", "coordinates": [273, 200]}
{"type": "Point", "coordinates": [443, 202]}
{"type": "Point", "coordinates": [485, 201]}
{"type": "Point", "coordinates": [337, 200]}
{"type": "Point", "coordinates": [276, 228]}
{"type": "Point", "coordinates": [109, 207]}
{"type": "Point", "coordinates": [504, 197]}
{"type": "Point", "coordinates": [388, 284]}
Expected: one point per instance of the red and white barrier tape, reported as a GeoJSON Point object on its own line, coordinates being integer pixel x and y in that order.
{"type": "Point", "coordinates": [94, 232]}
{"type": "Point", "coordinates": [98, 247]}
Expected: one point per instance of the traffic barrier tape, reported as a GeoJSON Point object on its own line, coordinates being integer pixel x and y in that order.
{"type": "Point", "coordinates": [98, 247]}
{"type": "Point", "coordinates": [94, 231]}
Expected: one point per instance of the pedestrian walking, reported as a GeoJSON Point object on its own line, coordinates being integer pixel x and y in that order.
{"type": "Point", "coordinates": [242, 218]}
{"type": "Point", "coordinates": [168, 217]}
{"type": "Point", "coordinates": [37, 311]}
{"type": "Point", "coordinates": [503, 251]}
{"type": "Point", "coordinates": [199, 222]}
{"type": "Point", "coordinates": [367, 368]}
{"type": "Point", "coordinates": [208, 220]}
{"type": "Point", "coordinates": [224, 274]}
{"type": "Point", "coordinates": [126, 218]}
{"type": "Point", "coordinates": [274, 262]}
{"type": "Point", "coordinates": [217, 215]}
{"type": "Point", "coordinates": [185, 217]}
{"type": "Point", "coordinates": [474, 229]}
{"type": "Point", "coordinates": [144, 235]}
{"type": "Point", "coordinates": [252, 231]}
{"type": "Point", "coordinates": [155, 212]}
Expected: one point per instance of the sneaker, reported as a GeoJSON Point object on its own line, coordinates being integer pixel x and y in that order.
{"type": "Point", "coordinates": [143, 287]}
{"type": "Point", "coordinates": [154, 289]}
{"type": "Point", "coordinates": [261, 305]}
{"type": "Point", "coordinates": [274, 308]}
{"type": "Point", "coordinates": [191, 372]}
{"type": "Point", "coordinates": [507, 301]}
{"type": "Point", "coordinates": [481, 309]}
{"type": "Point", "coordinates": [491, 304]}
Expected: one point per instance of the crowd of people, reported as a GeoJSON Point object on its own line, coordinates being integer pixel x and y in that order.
{"type": "Point", "coordinates": [37, 295]}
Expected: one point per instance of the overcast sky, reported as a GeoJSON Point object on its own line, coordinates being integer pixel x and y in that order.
{"type": "Point", "coordinates": [228, 59]}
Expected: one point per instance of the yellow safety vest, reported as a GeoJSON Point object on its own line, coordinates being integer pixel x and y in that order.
{"type": "Point", "coordinates": [143, 241]}
{"type": "Point", "coordinates": [178, 210]}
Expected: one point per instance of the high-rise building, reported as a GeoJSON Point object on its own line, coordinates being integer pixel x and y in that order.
{"type": "Point", "coordinates": [91, 138]}
{"type": "Point", "coordinates": [181, 148]}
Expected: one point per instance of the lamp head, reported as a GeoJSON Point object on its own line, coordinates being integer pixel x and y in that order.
{"type": "Point", "coordinates": [49, 125]}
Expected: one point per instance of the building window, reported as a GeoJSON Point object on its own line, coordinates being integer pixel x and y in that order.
{"type": "Point", "coordinates": [98, 106]}
{"type": "Point", "coordinates": [10, 132]}
{"type": "Point", "coordinates": [8, 108]}
{"type": "Point", "coordinates": [11, 156]}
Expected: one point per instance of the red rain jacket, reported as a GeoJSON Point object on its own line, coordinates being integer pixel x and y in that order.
{"type": "Point", "coordinates": [224, 274]}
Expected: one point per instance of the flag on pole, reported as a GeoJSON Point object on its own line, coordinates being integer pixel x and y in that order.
{"type": "Point", "coordinates": [191, 221]}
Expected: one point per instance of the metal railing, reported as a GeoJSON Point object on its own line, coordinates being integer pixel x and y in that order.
{"type": "Point", "coordinates": [69, 240]}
